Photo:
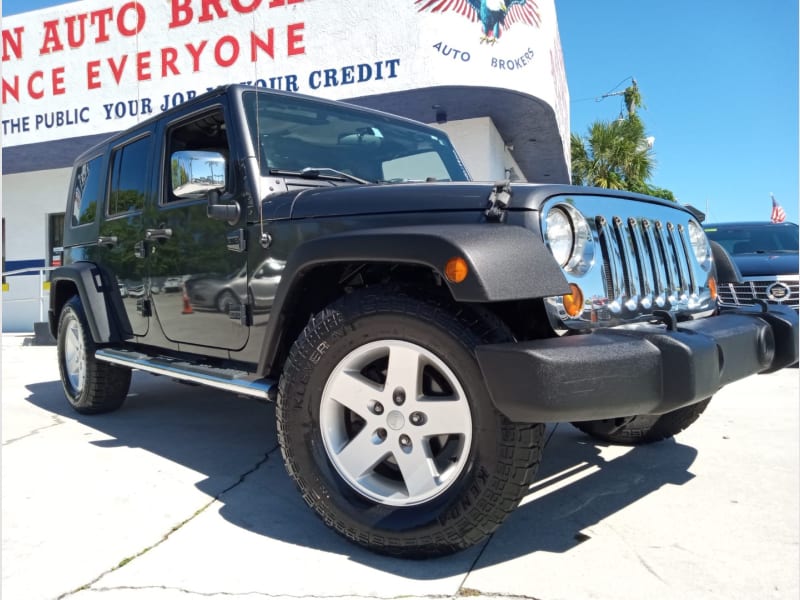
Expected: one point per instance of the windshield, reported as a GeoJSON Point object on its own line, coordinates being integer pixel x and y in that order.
{"type": "Point", "coordinates": [291, 134]}
{"type": "Point", "coordinates": [750, 238]}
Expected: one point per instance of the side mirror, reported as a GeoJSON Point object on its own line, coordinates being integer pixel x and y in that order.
{"type": "Point", "coordinates": [196, 172]}
{"type": "Point", "coordinates": [200, 174]}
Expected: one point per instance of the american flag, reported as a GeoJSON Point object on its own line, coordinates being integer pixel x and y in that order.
{"type": "Point", "coordinates": [778, 214]}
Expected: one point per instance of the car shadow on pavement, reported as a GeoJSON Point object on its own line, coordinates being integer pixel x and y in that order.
{"type": "Point", "coordinates": [232, 442]}
{"type": "Point", "coordinates": [577, 488]}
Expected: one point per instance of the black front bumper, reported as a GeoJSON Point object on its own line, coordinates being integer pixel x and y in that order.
{"type": "Point", "coordinates": [643, 369]}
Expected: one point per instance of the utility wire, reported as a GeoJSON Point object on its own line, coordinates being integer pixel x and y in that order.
{"type": "Point", "coordinates": [612, 91]}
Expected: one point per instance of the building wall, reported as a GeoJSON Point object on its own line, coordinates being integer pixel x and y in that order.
{"type": "Point", "coordinates": [482, 149]}
{"type": "Point", "coordinates": [28, 199]}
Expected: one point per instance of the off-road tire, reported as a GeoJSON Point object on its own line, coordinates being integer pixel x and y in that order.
{"type": "Point", "coordinates": [499, 463]}
{"type": "Point", "coordinates": [91, 386]}
{"type": "Point", "coordinates": [643, 429]}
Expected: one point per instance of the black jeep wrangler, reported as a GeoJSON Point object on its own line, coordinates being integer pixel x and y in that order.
{"type": "Point", "coordinates": [415, 329]}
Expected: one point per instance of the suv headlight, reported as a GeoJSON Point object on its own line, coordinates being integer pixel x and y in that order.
{"type": "Point", "coordinates": [569, 238]}
{"type": "Point", "coordinates": [700, 245]}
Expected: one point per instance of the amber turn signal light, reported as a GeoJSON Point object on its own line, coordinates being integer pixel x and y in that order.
{"type": "Point", "coordinates": [712, 287]}
{"type": "Point", "coordinates": [456, 269]}
{"type": "Point", "coordinates": [573, 302]}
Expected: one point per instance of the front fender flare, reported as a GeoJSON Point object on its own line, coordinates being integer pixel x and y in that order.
{"type": "Point", "coordinates": [506, 262]}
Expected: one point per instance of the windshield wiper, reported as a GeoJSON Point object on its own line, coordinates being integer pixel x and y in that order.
{"type": "Point", "coordinates": [316, 173]}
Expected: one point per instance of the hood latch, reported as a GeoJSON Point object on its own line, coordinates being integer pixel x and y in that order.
{"type": "Point", "coordinates": [498, 201]}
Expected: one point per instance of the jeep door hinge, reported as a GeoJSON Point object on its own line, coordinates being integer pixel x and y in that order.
{"type": "Point", "coordinates": [237, 240]}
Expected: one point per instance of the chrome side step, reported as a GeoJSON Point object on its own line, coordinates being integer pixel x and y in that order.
{"type": "Point", "coordinates": [230, 380]}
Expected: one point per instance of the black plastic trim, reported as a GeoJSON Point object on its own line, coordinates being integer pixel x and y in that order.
{"type": "Point", "coordinates": [630, 371]}
{"type": "Point", "coordinates": [726, 268]}
{"type": "Point", "coordinates": [91, 285]}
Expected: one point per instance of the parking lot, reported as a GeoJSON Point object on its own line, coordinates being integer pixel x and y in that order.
{"type": "Point", "coordinates": [182, 494]}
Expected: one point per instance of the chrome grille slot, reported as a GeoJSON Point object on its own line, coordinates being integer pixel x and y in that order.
{"type": "Point", "coordinates": [660, 276]}
{"type": "Point", "coordinates": [629, 265]}
{"type": "Point", "coordinates": [646, 273]}
{"type": "Point", "coordinates": [612, 264]}
{"type": "Point", "coordinates": [647, 264]}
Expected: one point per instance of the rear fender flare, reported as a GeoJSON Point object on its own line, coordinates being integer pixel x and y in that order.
{"type": "Point", "coordinates": [91, 285]}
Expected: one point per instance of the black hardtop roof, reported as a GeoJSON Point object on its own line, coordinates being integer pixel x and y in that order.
{"type": "Point", "coordinates": [236, 88]}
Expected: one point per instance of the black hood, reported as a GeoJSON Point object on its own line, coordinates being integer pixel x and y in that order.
{"type": "Point", "coordinates": [391, 198]}
{"type": "Point", "coordinates": [752, 265]}
{"type": "Point", "coordinates": [347, 200]}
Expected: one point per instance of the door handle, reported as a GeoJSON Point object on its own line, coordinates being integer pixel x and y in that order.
{"type": "Point", "coordinates": [158, 234]}
{"type": "Point", "coordinates": [107, 240]}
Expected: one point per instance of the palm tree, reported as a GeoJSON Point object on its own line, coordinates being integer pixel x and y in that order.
{"type": "Point", "coordinates": [616, 155]}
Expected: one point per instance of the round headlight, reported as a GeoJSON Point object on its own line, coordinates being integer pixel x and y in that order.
{"type": "Point", "coordinates": [559, 233]}
{"type": "Point", "coordinates": [569, 237]}
{"type": "Point", "coordinates": [700, 245]}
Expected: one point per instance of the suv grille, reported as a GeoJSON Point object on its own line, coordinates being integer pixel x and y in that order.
{"type": "Point", "coordinates": [646, 263]}
{"type": "Point", "coordinates": [770, 289]}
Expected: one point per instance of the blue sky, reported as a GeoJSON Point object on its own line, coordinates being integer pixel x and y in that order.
{"type": "Point", "coordinates": [720, 85]}
{"type": "Point", "coordinates": [719, 81]}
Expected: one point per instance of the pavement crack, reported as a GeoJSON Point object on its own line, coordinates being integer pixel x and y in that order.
{"type": "Point", "coordinates": [249, 472]}
{"type": "Point", "coordinates": [56, 421]}
{"type": "Point", "coordinates": [469, 592]}
{"type": "Point", "coordinates": [252, 594]}
{"type": "Point", "coordinates": [242, 478]}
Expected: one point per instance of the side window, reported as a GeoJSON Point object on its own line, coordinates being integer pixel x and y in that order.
{"type": "Point", "coordinates": [128, 177]}
{"type": "Point", "coordinates": [204, 134]}
{"type": "Point", "coordinates": [86, 192]}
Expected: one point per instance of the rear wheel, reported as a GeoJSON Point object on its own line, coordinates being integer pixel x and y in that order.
{"type": "Point", "coordinates": [91, 386]}
{"type": "Point", "coordinates": [643, 429]}
{"type": "Point", "coordinates": [386, 426]}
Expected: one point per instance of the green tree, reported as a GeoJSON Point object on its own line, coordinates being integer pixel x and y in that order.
{"type": "Point", "coordinates": [617, 154]}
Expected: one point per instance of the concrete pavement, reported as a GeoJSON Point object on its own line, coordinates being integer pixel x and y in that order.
{"type": "Point", "coordinates": [182, 494]}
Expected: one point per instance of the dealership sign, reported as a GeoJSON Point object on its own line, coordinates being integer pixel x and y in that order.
{"type": "Point", "coordinates": [97, 66]}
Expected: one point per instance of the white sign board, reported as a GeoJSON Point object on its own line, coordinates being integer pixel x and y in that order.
{"type": "Point", "coordinates": [99, 66]}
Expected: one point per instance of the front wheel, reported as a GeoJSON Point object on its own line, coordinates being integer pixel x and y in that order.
{"type": "Point", "coordinates": [643, 429]}
{"type": "Point", "coordinates": [91, 386]}
{"type": "Point", "coordinates": [386, 426]}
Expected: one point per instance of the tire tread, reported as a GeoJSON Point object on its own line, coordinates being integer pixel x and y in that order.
{"type": "Point", "coordinates": [479, 512]}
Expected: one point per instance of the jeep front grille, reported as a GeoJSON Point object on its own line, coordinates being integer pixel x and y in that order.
{"type": "Point", "coordinates": [636, 259]}
{"type": "Point", "coordinates": [785, 291]}
{"type": "Point", "coordinates": [646, 263]}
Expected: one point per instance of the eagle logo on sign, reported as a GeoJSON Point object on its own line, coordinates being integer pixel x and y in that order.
{"type": "Point", "coordinates": [495, 15]}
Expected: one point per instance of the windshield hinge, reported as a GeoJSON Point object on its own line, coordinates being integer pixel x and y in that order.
{"type": "Point", "coordinates": [498, 201]}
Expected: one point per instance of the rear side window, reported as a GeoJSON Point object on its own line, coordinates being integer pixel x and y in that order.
{"type": "Point", "coordinates": [129, 177]}
{"type": "Point", "coordinates": [86, 192]}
